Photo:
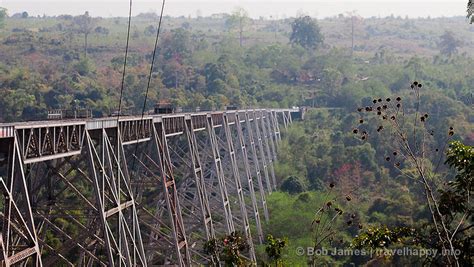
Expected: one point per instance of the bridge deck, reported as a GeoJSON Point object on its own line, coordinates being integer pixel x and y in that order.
{"type": "Point", "coordinates": [50, 139]}
{"type": "Point", "coordinates": [7, 129]}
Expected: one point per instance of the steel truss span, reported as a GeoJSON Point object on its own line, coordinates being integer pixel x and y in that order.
{"type": "Point", "coordinates": [136, 191]}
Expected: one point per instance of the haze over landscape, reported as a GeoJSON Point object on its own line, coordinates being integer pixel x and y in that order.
{"type": "Point", "coordinates": [256, 8]}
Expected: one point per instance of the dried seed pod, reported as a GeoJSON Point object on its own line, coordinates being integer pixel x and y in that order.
{"type": "Point", "coordinates": [399, 99]}
{"type": "Point", "coordinates": [355, 131]}
{"type": "Point", "coordinates": [361, 121]}
{"type": "Point", "coordinates": [388, 99]}
{"type": "Point", "coordinates": [387, 158]}
{"type": "Point", "coordinates": [348, 198]}
{"type": "Point", "coordinates": [332, 185]}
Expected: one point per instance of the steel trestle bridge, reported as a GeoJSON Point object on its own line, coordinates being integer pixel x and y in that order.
{"type": "Point", "coordinates": [136, 191]}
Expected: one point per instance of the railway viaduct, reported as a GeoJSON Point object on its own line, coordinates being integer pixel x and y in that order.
{"type": "Point", "coordinates": [136, 191]}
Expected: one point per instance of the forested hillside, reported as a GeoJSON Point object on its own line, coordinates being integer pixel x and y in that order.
{"type": "Point", "coordinates": [351, 152]}
{"type": "Point", "coordinates": [59, 62]}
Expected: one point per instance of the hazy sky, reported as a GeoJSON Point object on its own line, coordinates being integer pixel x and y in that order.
{"type": "Point", "coordinates": [256, 8]}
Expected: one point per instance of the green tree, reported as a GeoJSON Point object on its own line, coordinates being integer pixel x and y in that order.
{"type": "Point", "coordinates": [456, 199]}
{"type": "Point", "coordinates": [13, 102]}
{"type": "Point", "coordinates": [306, 32]}
{"type": "Point", "coordinates": [150, 30]}
{"type": "Point", "coordinates": [274, 249]}
{"type": "Point", "coordinates": [448, 44]}
{"type": "Point", "coordinates": [293, 185]}
{"type": "Point", "coordinates": [177, 45]}
{"type": "Point", "coordinates": [229, 249]}
{"type": "Point", "coordinates": [84, 67]}
{"type": "Point", "coordinates": [470, 11]}
{"type": "Point", "coordinates": [102, 30]}
{"type": "Point", "coordinates": [3, 15]}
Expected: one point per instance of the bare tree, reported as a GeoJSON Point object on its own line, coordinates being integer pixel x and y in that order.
{"type": "Point", "coordinates": [84, 24]}
{"type": "Point", "coordinates": [238, 20]}
{"type": "Point", "coordinates": [354, 20]}
{"type": "Point", "coordinates": [405, 125]}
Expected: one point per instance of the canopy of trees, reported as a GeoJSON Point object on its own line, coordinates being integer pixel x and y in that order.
{"type": "Point", "coordinates": [306, 32]}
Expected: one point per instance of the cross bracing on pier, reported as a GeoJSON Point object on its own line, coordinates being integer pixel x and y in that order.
{"type": "Point", "coordinates": [136, 191]}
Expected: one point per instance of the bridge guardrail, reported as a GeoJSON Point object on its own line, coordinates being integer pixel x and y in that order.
{"type": "Point", "coordinates": [7, 131]}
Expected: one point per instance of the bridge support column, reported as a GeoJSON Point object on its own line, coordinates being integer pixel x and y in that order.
{"type": "Point", "coordinates": [220, 174]}
{"type": "Point", "coordinates": [262, 151]}
{"type": "Point", "coordinates": [248, 177]}
{"type": "Point", "coordinates": [116, 204]}
{"type": "Point", "coordinates": [171, 195]}
{"type": "Point", "coordinates": [276, 127]}
{"type": "Point", "coordinates": [256, 163]}
{"type": "Point", "coordinates": [284, 119]}
{"type": "Point", "coordinates": [270, 156]}
{"type": "Point", "coordinates": [271, 134]}
{"type": "Point", "coordinates": [199, 178]}
{"type": "Point", "coordinates": [18, 239]}
{"type": "Point", "coordinates": [240, 191]}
